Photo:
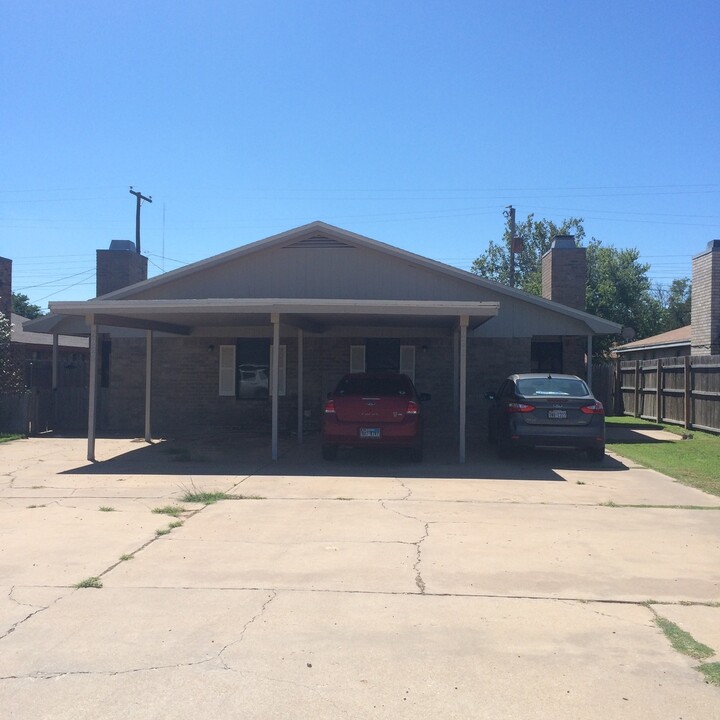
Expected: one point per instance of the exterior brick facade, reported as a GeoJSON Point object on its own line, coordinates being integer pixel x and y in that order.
{"type": "Point", "coordinates": [118, 268]}
{"type": "Point", "coordinates": [705, 307]}
{"type": "Point", "coordinates": [6, 287]}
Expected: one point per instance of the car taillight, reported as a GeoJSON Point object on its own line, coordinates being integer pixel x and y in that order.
{"type": "Point", "coordinates": [330, 407]}
{"type": "Point", "coordinates": [412, 408]}
{"type": "Point", "coordinates": [595, 409]}
{"type": "Point", "coordinates": [515, 407]}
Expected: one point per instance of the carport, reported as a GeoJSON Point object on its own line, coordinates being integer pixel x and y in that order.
{"type": "Point", "coordinates": [198, 317]}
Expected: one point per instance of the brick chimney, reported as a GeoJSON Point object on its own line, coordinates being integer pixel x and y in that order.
{"type": "Point", "coordinates": [705, 303]}
{"type": "Point", "coordinates": [119, 267]}
{"type": "Point", "coordinates": [564, 272]}
{"type": "Point", "coordinates": [6, 288]}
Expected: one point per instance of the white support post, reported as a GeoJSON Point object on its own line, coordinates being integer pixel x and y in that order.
{"type": "Point", "coordinates": [275, 319]}
{"type": "Point", "coordinates": [148, 383]}
{"type": "Point", "coordinates": [55, 359]}
{"type": "Point", "coordinates": [92, 394]}
{"type": "Point", "coordinates": [463, 382]}
{"type": "Point", "coordinates": [589, 361]}
{"type": "Point", "coordinates": [300, 386]}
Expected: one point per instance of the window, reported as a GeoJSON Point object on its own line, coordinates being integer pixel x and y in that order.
{"type": "Point", "coordinates": [245, 369]}
{"type": "Point", "coordinates": [357, 358]}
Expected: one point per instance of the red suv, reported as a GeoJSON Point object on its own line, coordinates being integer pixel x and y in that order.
{"type": "Point", "coordinates": [374, 409]}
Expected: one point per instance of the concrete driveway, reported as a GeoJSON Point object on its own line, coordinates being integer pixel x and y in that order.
{"type": "Point", "coordinates": [367, 588]}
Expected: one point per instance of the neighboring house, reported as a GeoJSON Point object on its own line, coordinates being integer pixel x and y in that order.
{"type": "Point", "coordinates": [207, 345]}
{"type": "Point", "coordinates": [702, 336]}
{"type": "Point", "coordinates": [674, 343]}
{"type": "Point", "coordinates": [35, 353]}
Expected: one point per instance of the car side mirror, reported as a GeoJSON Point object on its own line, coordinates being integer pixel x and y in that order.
{"type": "Point", "coordinates": [424, 397]}
{"type": "Point", "coordinates": [489, 395]}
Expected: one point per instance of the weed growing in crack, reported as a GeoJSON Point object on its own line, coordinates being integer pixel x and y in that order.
{"type": "Point", "coordinates": [174, 510]}
{"type": "Point", "coordinates": [208, 497]}
{"type": "Point", "coordinates": [106, 508]}
{"type": "Point", "coordinates": [32, 507]}
{"type": "Point", "coordinates": [162, 531]}
{"type": "Point", "coordinates": [123, 558]}
{"type": "Point", "coordinates": [91, 582]}
{"type": "Point", "coordinates": [711, 671]}
{"type": "Point", "coordinates": [683, 641]}
{"type": "Point", "coordinates": [176, 524]}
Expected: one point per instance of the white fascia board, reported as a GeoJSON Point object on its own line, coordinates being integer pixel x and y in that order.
{"type": "Point", "coordinates": [276, 305]}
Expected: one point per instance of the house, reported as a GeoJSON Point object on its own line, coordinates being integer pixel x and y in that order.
{"type": "Point", "coordinates": [54, 368]}
{"type": "Point", "coordinates": [254, 338]}
{"type": "Point", "coordinates": [702, 336]}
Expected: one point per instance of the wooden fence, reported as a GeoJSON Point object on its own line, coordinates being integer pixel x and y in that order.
{"type": "Point", "coordinates": [684, 391]}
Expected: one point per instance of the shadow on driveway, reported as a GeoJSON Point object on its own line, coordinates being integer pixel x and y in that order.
{"type": "Point", "coordinates": [244, 454]}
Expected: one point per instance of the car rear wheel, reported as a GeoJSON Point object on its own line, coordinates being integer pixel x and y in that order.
{"type": "Point", "coordinates": [329, 452]}
{"type": "Point", "coordinates": [596, 454]}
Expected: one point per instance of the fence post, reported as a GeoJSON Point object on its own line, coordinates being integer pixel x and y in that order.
{"type": "Point", "coordinates": [636, 408]}
{"type": "Point", "coordinates": [658, 391]}
{"type": "Point", "coordinates": [688, 381]}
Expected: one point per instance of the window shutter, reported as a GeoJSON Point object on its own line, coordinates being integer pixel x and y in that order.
{"type": "Point", "coordinates": [407, 361]}
{"type": "Point", "coordinates": [357, 358]}
{"type": "Point", "coordinates": [227, 370]}
{"type": "Point", "coordinates": [282, 375]}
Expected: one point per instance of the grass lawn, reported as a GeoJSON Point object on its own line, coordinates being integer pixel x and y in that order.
{"type": "Point", "coordinates": [8, 438]}
{"type": "Point", "coordinates": [694, 462]}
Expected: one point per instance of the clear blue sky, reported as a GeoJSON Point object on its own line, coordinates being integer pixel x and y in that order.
{"type": "Point", "coordinates": [414, 123]}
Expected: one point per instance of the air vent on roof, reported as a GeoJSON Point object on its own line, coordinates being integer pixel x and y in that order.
{"type": "Point", "coordinates": [319, 241]}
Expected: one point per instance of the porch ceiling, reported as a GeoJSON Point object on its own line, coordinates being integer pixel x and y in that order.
{"type": "Point", "coordinates": [182, 316]}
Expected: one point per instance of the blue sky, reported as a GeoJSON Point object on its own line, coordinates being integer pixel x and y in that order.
{"type": "Point", "coordinates": [414, 123]}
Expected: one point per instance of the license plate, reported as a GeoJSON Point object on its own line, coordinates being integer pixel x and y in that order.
{"type": "Point", "coordinates": [557, 414]}
{"type": "Point", "coordinates": [369, 432]}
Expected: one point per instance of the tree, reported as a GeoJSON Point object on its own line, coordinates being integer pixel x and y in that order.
{"type": "Point", "coordinates": [618, 287]}
{"type": "Point", "coordinates": [676, 302]}
{"type": "Point", "coordinates": [11, 378]}
{"type": "Point", "coordinates": [537, 236]}
{"type": "Point", "coordinates": [22, 306]}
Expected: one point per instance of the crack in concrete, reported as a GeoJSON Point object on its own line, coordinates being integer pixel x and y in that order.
{"type": "Point", "coordinates": [405, 487]}
{"type": "Point", "coordinates": [40, 609]}
{"type": "Point", "coordinates": [416, 567]}
{"type": "Point", "coordinates": [244, 629]}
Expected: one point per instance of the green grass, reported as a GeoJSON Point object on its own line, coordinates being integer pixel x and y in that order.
{"type": "Point", "coordinates": [174, 510]}
{"type": "Point", "coordinates": [106, 508]}
{"type": "Point", "coordinates": [683, 641]}
{"type": "Point", "coordinates": [693, 462]}
{"type": "Point", "coordinates": [175, 524]}
{"type": "Point", "coordinates": [163, 531]}
{"type": "Point", "coordinates": [91, 582]}
{"type": "Point", "coordinates": [711, 671]}
{"type": "Point", "coordinates": [208, 497]}
{"type": "Point", "coordinates": [10, 437]}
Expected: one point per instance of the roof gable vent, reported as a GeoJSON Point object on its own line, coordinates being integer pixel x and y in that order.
{"type": "Point", "coordinates": [319, 241]}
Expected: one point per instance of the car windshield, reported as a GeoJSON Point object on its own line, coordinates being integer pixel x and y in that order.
{"type": "Point", "coordinates": [374, 386]}
{"type": "Point", "coordinates": [538, 387]}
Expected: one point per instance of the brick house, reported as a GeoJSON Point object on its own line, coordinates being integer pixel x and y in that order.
{"type": "Point", "coordinates": [255, 338]}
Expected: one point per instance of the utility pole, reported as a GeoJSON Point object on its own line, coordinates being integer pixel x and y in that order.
{"type": "Point", "coordinates": [140, 197]}
{"type": "Point", "coordinates": [510, 213]}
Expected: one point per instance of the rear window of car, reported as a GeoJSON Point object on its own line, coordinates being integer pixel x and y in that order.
{"type": "Point", "coordinates": [538, 387]}
{"type": "Point", "coordinates": [374, 386]}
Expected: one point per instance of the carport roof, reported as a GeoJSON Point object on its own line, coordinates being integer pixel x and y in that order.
{"type": "Point", "coordinates": [314, 315]}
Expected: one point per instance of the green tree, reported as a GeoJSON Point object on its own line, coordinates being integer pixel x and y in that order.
{"type": "Point", "coordinates": [618, 287]}
{"type": "Point", "coordinates": [22, 306]}
{"type": "Point", "coordinates": [11, 379]}
{"type": "Point", "coordinates": [537, 235]}
{"type": "Point", "coordinates": [676, 302]}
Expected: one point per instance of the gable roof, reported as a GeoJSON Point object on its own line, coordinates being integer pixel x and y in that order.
{"type": "Point", "coordinates": [19, 335]}
{"type": "Point", "coordinates": [320, 234]}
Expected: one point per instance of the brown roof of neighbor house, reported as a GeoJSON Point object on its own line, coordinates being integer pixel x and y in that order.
{"type": "Point", "coordinates": [19, 335]}
{"type": "Point", "coordinates": [679, 336]}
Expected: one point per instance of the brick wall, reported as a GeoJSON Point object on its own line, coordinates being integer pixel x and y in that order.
{"type": "Point", "coordinates": [564, 273]}
{"type": "Point", "coordinates": [6, 287]}
{"type": "Point", "coordinates": [117, 269]}
{"type": "Point", "coordinates": [185, 384]}
{"type": "Point", "coordinates": [705, 301]}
